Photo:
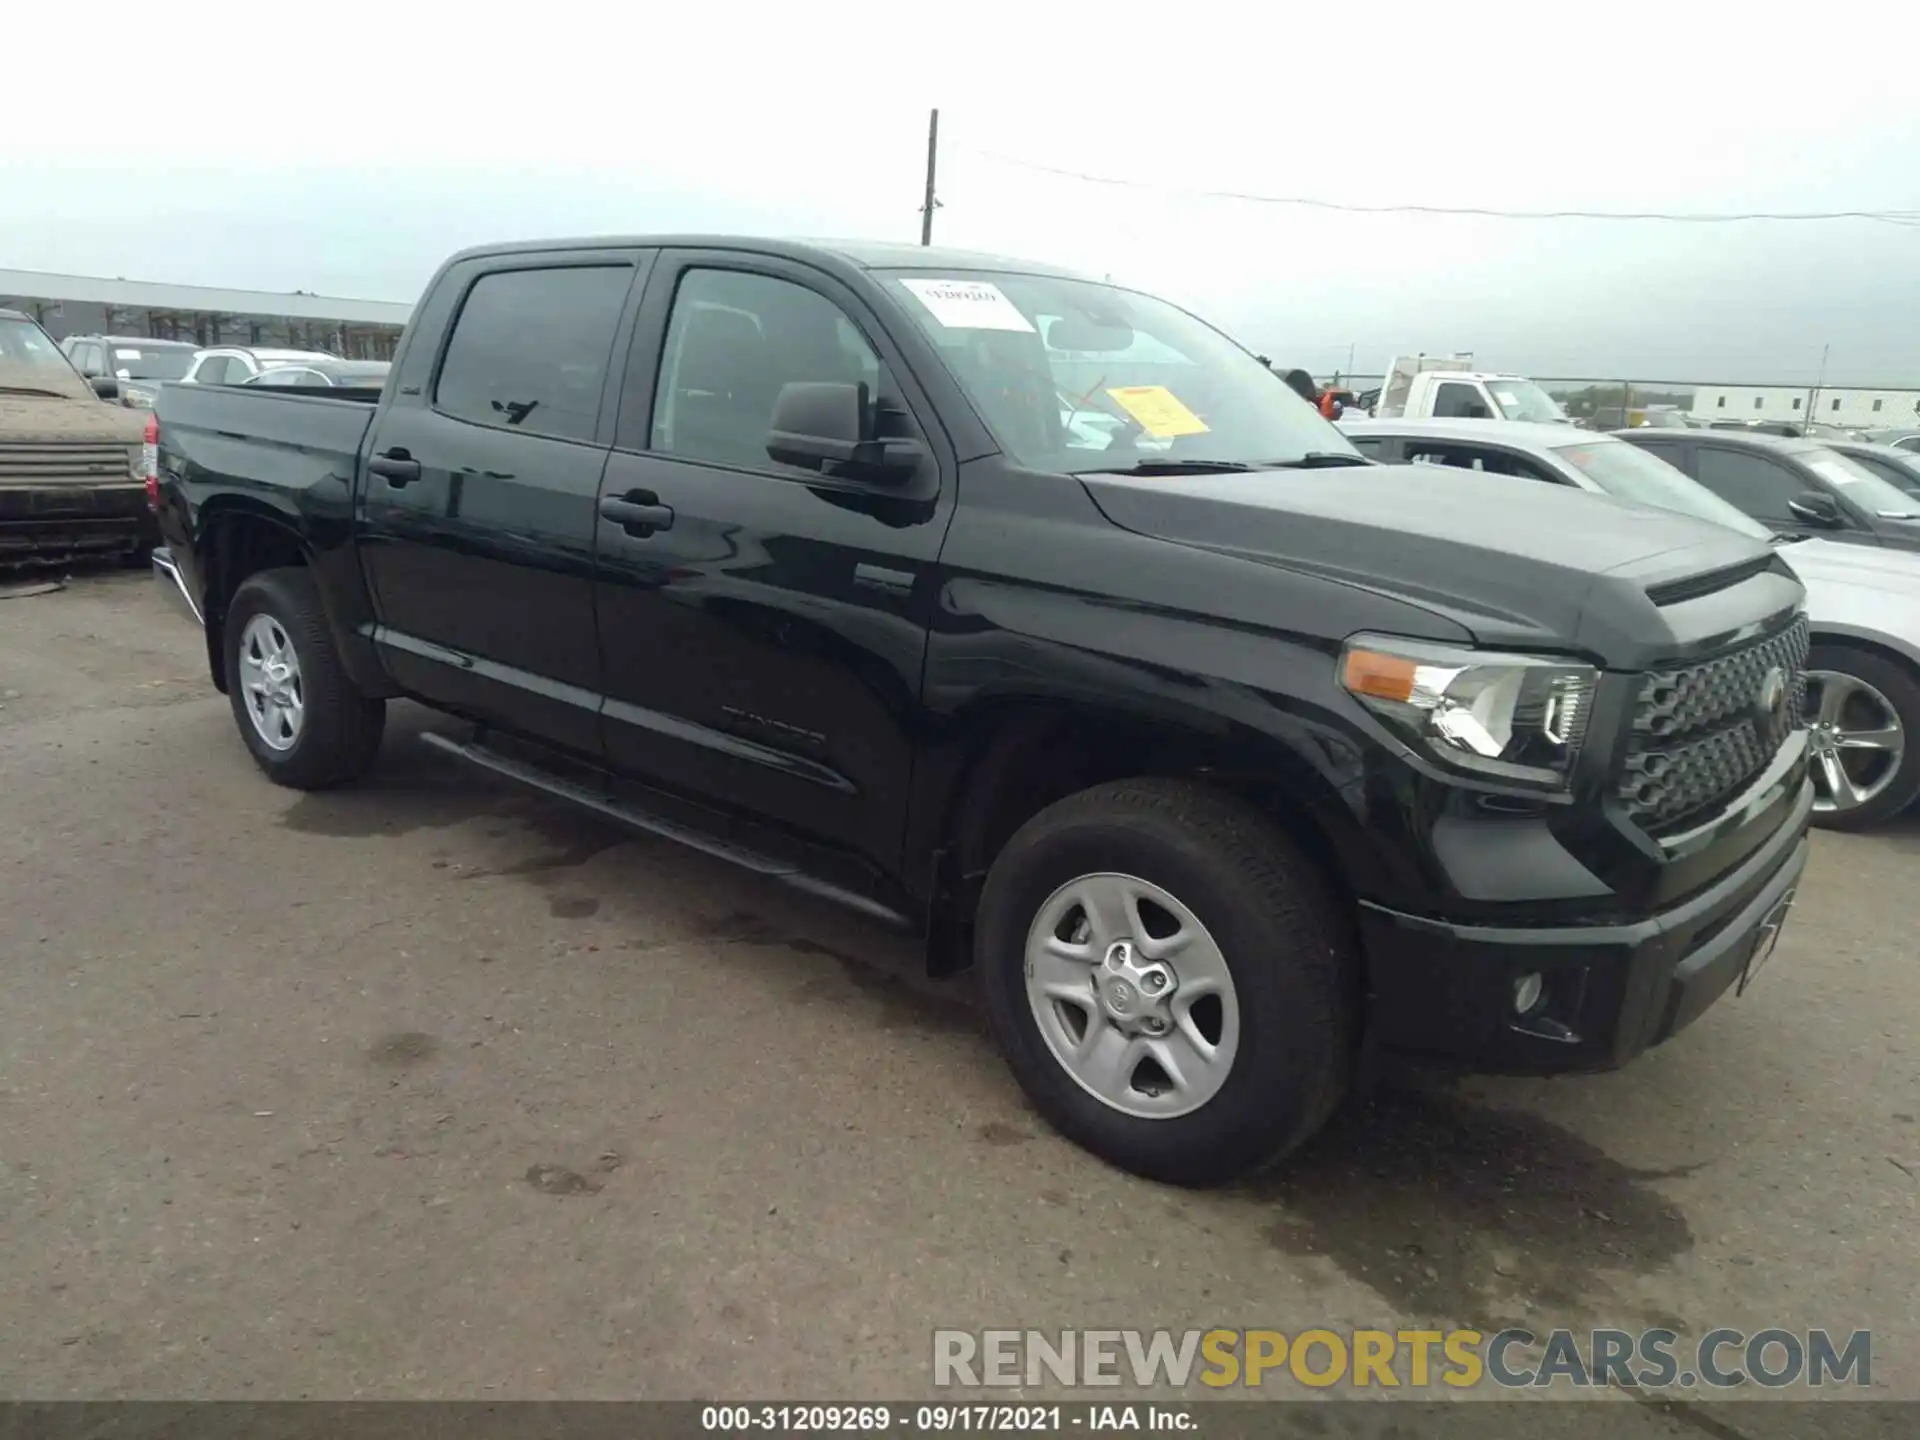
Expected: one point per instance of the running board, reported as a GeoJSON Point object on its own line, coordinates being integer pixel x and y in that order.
{"type": "Point", "coordinates": [787, 873]}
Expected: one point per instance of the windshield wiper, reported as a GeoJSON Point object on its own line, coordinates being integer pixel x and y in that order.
{"type": "Point", "coordinates": [1171, 466]}
{"type": "Point", "coordinates": [32, 390]}
{"type": "Point", "coordinates": [1790, 539]}
{"type": "Point", "coordinates": [1319, 460]}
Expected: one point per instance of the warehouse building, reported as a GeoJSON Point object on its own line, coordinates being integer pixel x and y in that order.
{"type": "Point", "coordinates": [1829, 404]}
{"type": "Point", "coordinates": [86, 305]}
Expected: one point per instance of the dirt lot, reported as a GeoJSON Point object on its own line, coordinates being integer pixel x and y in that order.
{"type": "Point", "coordinates": [430, 1088]}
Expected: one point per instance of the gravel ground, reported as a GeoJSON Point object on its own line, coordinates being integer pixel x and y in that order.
{"type": "Point", "coordinates": [431, 1088]}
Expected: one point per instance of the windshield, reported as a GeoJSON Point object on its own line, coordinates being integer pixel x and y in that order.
{"type": "Point", "coordinates": [29, 360]}
{"type": "Point", "coordinates": [1524, 400]}
{"type": "Point", "coordinates": [1902, 467]}
{"type": "Point", "coordinates": [1859, 484]}
{"type": "Point", "coordinates": [134, 362]}
{"type": "Point", "coordinates": [1626, 472]}
{"type": "Point", "coordinates": [1073, 375]}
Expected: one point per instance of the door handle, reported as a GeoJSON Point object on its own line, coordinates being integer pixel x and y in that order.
{"type": "Point", "coordinates": [396, 467]}
{"type": "Point", "coordinates": [638, 512]}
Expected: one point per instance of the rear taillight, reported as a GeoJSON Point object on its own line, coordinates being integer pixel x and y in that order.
{"type": "Point", "coordinates": [150, 461]}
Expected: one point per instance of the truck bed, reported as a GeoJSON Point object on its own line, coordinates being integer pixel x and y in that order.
{"type": "Point", "coordinates": [245, 438]}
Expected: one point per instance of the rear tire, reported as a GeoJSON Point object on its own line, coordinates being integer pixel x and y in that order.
{"type": "Point", "coordinates": [305, 723]}
{"type": "Point", "coordinates": [1260, 907]}
{"type": "Point", "coordinates": [1865, 694]}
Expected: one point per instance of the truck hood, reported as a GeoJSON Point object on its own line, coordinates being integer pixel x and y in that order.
{"type": "Point", "coordinates": [1521, 566]}
{"type": "Point", "coordinates": [47, 420]}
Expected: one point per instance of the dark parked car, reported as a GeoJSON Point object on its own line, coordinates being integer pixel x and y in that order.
{"type": "Point", "coordinates": [1889, 462]}
{"type": "Point", "coordinates": [136, 365]}
{"type": "Point", "coordinates": [1794, 487]}
{"type": "Point", "coordinates": [1227, 757]}
{"type": "Point", "coordinates": [1898, 439]}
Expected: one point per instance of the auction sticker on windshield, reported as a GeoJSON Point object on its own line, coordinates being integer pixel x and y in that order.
{"type": "Point", "coordinates": [969, 305]}
{"type": "Point", "coordinates": [1158, 410]}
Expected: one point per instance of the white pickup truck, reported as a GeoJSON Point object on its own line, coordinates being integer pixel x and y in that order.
{"type": "Point", "coordinates": [1422, 387]}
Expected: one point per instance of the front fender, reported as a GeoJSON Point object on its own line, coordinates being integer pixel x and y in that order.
{"type": "Point", "coordinates": [1882, 619]}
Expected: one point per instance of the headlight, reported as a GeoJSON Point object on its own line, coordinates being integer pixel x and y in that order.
{"type": "Point", "coordinates": [1517, 718]}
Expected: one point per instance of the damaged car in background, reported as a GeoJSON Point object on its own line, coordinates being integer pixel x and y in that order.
{"type": "Point", "coordinates": [70, 461]}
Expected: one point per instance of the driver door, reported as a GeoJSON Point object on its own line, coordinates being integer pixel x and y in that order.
{"type": "Point", "coordinates": [762, 632]}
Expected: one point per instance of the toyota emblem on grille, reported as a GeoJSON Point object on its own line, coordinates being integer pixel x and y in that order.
{"type": "Point", "coordinates": [1771, 701]}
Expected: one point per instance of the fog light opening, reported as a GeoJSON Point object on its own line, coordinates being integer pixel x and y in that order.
{"type": "Point", "coordinates": [1527, 991]}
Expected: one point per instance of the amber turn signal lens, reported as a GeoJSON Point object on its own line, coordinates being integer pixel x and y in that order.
{"type": "Point", "coordinates": [1386, 677]}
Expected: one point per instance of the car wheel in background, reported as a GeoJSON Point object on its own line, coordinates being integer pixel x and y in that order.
{"type": "Point", "coordinates": [306, 724]}
{"type": "Point", "coordinates": [1863, 711]}
{"type": "Point", "coordinates": [1170, 978]}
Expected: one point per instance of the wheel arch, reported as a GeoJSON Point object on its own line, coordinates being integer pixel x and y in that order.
{"type": "Point", "coordinates": [1020, 755]}
{"type": "Point", "coordinates": [1904, 653]}
{"type": "Point", "coordinates": [238, 536]}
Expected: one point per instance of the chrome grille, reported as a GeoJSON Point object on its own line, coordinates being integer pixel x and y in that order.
{"type": "Point", "coordinates": [1700, 734]}
{"type": "Point", "coordinates": [54, 464]}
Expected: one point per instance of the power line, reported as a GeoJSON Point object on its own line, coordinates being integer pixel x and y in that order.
{"type": "Point", "coordinates": [1883, 217]}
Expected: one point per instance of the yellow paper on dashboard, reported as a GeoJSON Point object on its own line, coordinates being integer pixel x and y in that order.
{"type": "Point", "coordinates": [1158, 410]}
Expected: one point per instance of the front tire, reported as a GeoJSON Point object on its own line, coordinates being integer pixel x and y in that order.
{"type": "Point", "coordinates": [1210, 965]}
{"type": "Point", "coordinates": [305, 723]}
{"type": "Point", "coordinates": [1864, 711]}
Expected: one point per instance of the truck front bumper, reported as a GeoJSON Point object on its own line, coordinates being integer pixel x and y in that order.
{"type": "Point", "coordinates": [1605, 992]}
{"type": "Point", "coordinates": [174, 584]}
{"type": "Point", "coordinates": [51, 525]}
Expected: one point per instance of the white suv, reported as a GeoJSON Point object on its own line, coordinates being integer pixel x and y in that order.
{"type": "Point", "coordinates": [237, 364]}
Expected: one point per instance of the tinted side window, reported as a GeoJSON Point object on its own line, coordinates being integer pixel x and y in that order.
{"type": "Point", "coordinates": [213, 370]}
{"type": "Point", "coordinates": [1474, 457]}
{"type": "Point", "coordinates": [86, 358]}
{"type": "Point", "coordinates": [732, 341]}
{"type": "Point", "coordinates": [1461, 401]}
{"type": "Point", "coordinates": [529, 349]}
{"type": "Point", "coordinates": [1756, 484]}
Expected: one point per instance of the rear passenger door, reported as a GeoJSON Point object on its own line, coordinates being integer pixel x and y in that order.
{"type": "Point", "coordinates": [763, 646]}
{"type": "Point", "coordinates": [477, 508]}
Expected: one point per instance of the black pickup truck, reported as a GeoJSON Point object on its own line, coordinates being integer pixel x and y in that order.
{"type": "Point", "coordinates": [1033, 615]}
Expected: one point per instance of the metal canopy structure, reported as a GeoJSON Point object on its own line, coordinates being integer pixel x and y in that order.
{"type": "Point", "coordinates": [206, 315]}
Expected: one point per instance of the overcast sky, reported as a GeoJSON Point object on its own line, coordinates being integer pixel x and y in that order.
{"type": "Point", "coordinates": [346, 150]}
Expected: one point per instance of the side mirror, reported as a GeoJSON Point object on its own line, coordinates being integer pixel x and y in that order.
{"type": "Point", "coordinates": [1817, 509]}
{"type": "Point", "coordinates": [105, 386]}
{"type": "Point", "coordinates": [816, 424]}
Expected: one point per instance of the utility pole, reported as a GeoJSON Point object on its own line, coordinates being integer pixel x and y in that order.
{"type": "Point", "coordinates": [933, 153]}
{"type": "Point", "coordinates": [1813, 395]}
